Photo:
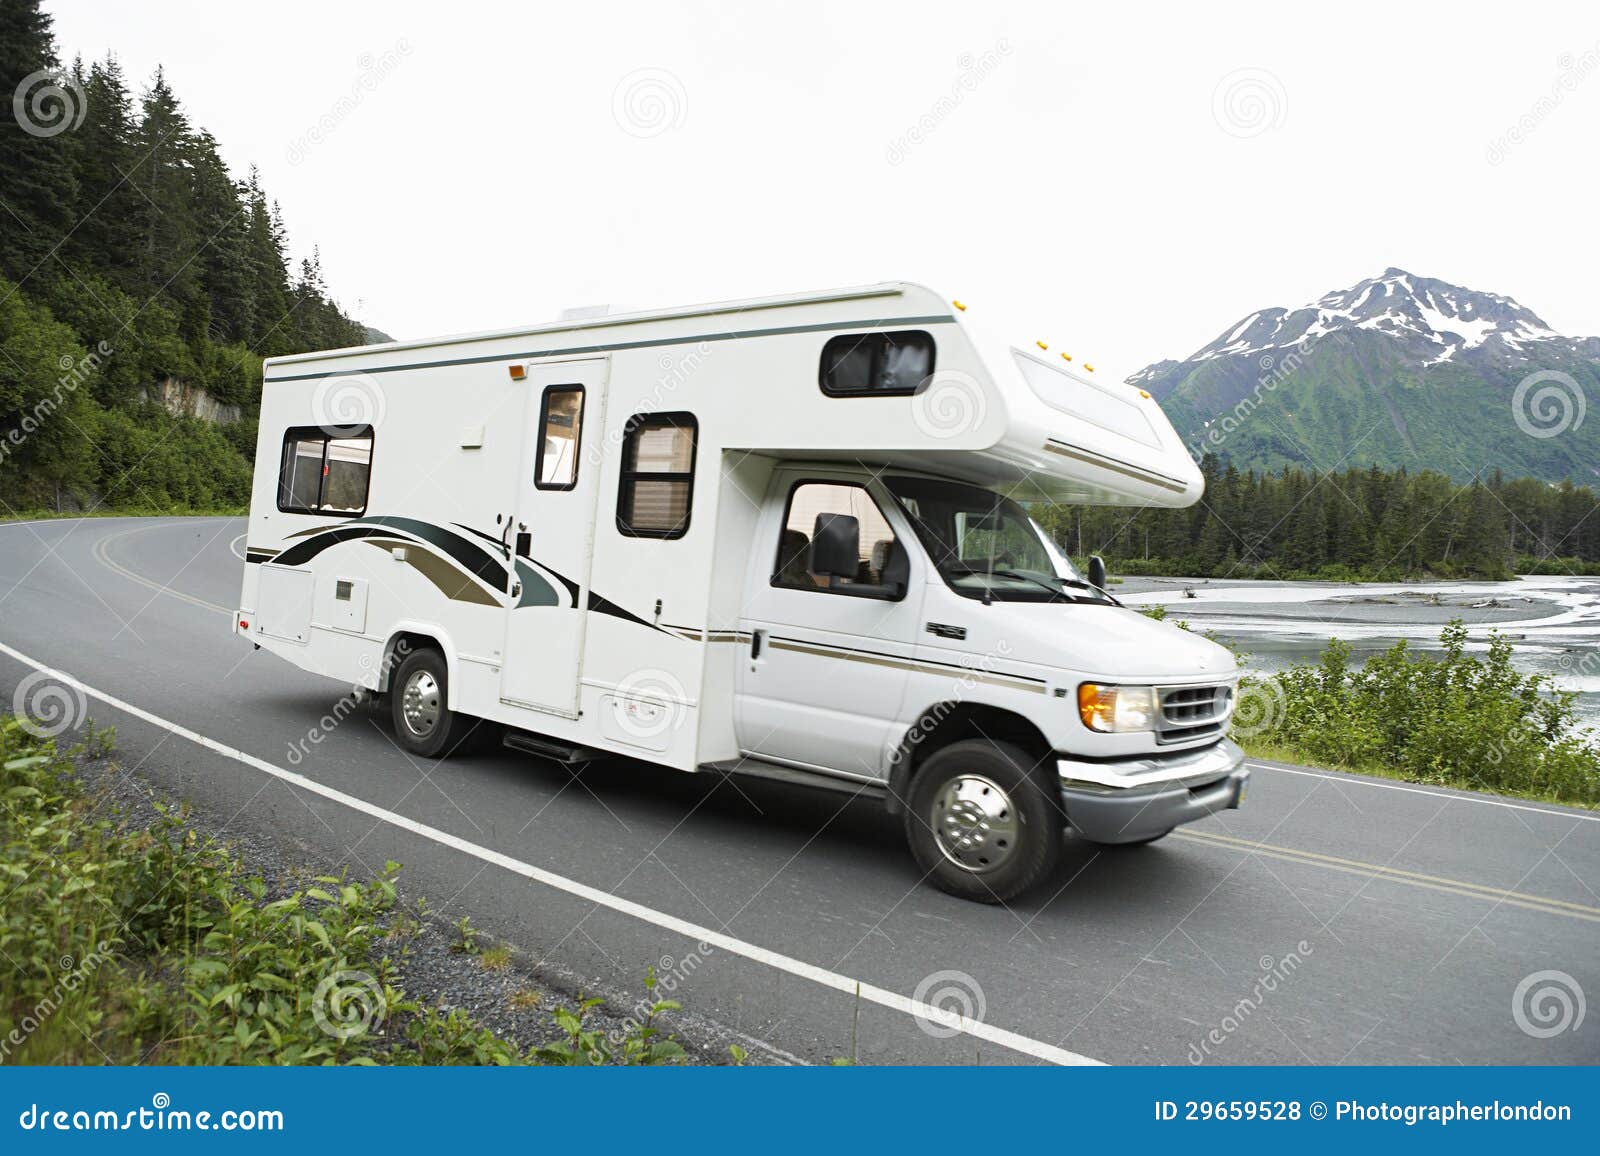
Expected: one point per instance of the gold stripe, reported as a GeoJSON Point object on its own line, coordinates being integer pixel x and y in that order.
{"type": "Point", "coordinates": [452, 583]}
{"type": "Point", "coordinates": [910, 664]}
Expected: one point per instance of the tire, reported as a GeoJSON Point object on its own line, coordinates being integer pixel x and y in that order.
{"type": "Point", "coordinates": [423, 724]}
{"type": "Point", "coordinates": [981, 822]}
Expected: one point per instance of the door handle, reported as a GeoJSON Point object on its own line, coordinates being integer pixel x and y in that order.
{"type": "Point", "coordinates": [758, 640]}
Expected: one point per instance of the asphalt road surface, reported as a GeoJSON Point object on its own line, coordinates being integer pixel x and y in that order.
{"type": "Point", "coordinates": [1334, 919]}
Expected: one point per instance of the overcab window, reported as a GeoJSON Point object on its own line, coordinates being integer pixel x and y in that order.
{"type": "Point", "coordinates": [876, 364]}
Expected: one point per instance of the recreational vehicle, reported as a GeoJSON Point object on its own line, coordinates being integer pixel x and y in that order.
{"type": "Point", "coordinates": [787, 537]}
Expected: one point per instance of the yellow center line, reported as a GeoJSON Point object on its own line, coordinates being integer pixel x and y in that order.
{"type": "Point", "coordinates": [1395, 874]}
{"type": "Point", "coordinates": [103, 556]}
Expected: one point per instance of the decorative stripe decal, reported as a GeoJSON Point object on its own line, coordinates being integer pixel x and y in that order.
{"type": "Point", "coordinates": [824, 327]}
{"type": "Point", "coordinates": [451, 582]}
{"type": "Point", "coordinates": [1105, 463]}
{"type": "Point", "coordinates": [899, 662]}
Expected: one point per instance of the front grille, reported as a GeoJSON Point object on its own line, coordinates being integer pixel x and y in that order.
{"type": "Point", "coordinates": [1192, 712]}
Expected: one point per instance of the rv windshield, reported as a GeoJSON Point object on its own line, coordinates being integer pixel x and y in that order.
{"type": "Point", "coordinates": [986, 546]}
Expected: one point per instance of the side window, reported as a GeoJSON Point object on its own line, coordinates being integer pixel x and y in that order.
{"type": "Point", "coordinates": [876, 364]}
{"type": "Point", "coordinates": [836, 539]}
{"type": "Point", "coordinates": [320, 474]}
{"type": "Point", "coordinates": [560, 432]}
{"type": "Point", "coordinates": [656, 488]}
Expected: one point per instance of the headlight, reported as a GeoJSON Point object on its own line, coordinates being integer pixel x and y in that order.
{"type": "Point", "coordinates": [1117, 709]}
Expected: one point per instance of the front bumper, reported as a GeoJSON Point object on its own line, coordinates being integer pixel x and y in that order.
{"type": "Point", "coordinates": [1131, 800]}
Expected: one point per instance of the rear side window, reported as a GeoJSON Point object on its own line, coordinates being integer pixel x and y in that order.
{"type": "Point", "coordinates": [876, 364]}
{"type": "Point", "coordinates": [320, 474]}
{"type": "Point", "coordinates": [560, 432]}
{"type": "Point", "coordinates": [656, 488]}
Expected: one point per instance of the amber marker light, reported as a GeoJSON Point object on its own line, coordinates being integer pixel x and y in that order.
{"type": "Point", "coordinates": [518, 372]}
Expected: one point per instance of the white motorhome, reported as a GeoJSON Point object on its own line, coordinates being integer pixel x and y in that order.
{"type": "Point", "coordinates": [786, 537]}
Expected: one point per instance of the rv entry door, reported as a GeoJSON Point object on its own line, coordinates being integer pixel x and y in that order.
{"type": "Point", "coordinates": [551, 533]}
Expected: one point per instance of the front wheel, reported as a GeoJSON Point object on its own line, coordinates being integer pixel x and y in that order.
{"type": "Point", "coordinates": [423, 723]}
{"type": "Point", "coordinates": [981, 822]}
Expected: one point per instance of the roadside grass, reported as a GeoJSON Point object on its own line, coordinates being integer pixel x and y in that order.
{"type": "Point", "coordinates": [46, 515]}
{"type": "Point", "coordinates": [147, 942]}
{"type": "Point", "coordinates": [1459, 720]}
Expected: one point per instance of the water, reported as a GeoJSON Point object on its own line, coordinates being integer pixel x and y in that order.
{"type": "Point", "coordinates": [1553, 622]}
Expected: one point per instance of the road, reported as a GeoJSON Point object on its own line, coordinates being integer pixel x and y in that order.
{"type": "Point", "coordinates": [1333, 919]}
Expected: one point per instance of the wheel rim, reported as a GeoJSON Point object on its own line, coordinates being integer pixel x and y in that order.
{"type": "Point", "coordinates": [975, 824]}
{"type": "Point", "coordinates": [419, 704]}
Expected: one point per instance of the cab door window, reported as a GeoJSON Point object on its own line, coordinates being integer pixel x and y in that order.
{"type": "Point", "coordinates": [836, 540]}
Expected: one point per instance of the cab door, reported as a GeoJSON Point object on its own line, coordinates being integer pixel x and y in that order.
{"type": "Point", "coordinates": [550, 534]}
{"type": "Point", "coordinates": [832, 611]}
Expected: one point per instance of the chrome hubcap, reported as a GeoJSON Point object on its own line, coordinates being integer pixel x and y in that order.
{"type": "Point", "coordinates": [975, 824]}
{"type": "Point", "coordinates": [419, 704]}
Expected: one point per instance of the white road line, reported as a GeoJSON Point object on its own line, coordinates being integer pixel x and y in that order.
{"type": "Point", "coordinates": [1579, 816]}
{"type": "Point", "coordinates": [234, 543]}
{"type": "Point", "coordinates": [796, 967]}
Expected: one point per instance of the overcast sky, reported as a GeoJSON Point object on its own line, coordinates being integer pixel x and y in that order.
{"type": "Point", "coordinates": [1124, 181]}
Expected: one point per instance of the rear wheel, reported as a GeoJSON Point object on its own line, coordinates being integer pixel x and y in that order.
{"type": "Point", "coordinates": [423, 722]}
{"type": "Point", "coordinates": [981, 822]}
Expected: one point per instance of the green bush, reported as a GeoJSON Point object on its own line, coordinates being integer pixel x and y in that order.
{"type": "Point", "coordinates": [1457, 719]}
{"type": "Point", "coordinates": [151, 944]}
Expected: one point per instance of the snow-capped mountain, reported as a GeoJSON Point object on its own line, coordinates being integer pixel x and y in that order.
{"type": "Point", "coordinates": [1397, 369]}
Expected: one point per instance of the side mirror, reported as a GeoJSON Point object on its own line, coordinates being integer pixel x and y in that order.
{"type": "Point", "coordinates": [1097, 571]}
{"type": "Point", "coordinates": [836, 546]}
